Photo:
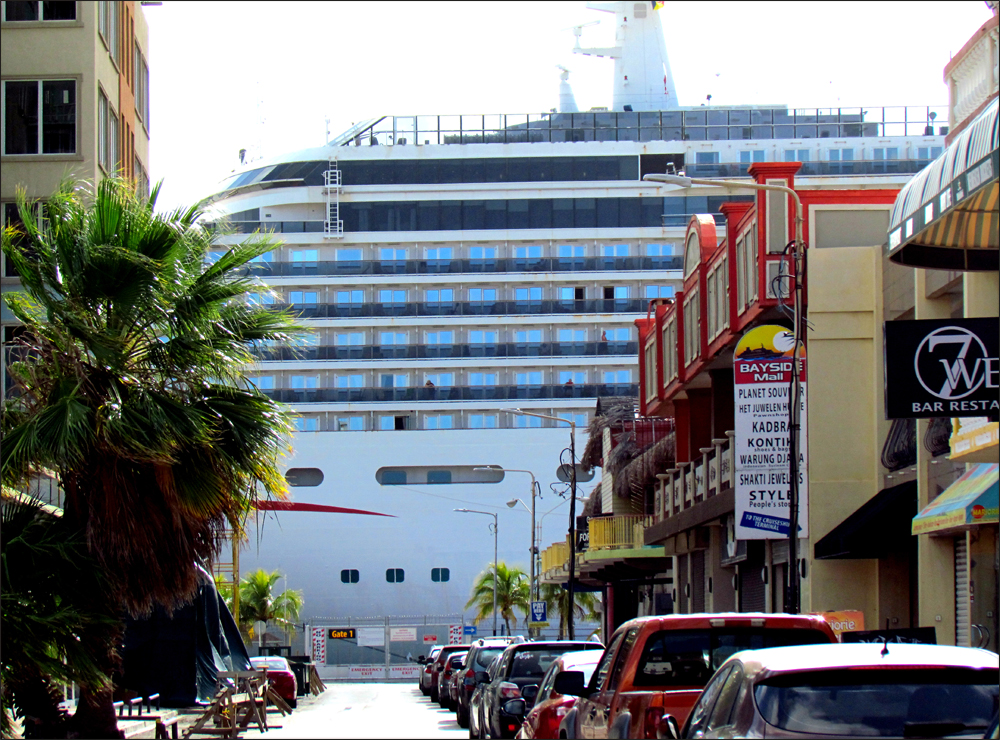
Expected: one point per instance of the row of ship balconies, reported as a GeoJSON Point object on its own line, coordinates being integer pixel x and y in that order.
{"type": "Point", "coordinates": [447, 266]}
{"type": "Point", "coordinates": [453, 393]}
{"type": "Point", "coordinates": [432, 351]}
{"type": "Point", "coordinates": [467, 308]}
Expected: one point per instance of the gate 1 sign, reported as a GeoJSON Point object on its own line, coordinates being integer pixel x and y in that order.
{"type": "Point", "coordinates": [941, 367]}
{"type": "Point", "coordinates": [762, 375]}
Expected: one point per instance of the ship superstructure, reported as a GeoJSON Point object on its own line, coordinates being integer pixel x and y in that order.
{"type": "Point", "coordinates": [455, 268]}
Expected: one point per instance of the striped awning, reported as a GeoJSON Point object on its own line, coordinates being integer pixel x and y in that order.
{"type": "Point", "coordinates": [946, 217]}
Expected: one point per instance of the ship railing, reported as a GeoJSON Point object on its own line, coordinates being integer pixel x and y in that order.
{"type": "Point", "coordinates": [431, 351]}
{"type": "Point", "coordinates": [451, 393]}
{"type": "Point", "coordinates": [469, 308]}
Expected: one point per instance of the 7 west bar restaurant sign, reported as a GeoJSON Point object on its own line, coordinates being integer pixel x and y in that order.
{"type": "Point", "coordinates": [941, 368]}
{"type": "Point", "coordinates": [762, 374]}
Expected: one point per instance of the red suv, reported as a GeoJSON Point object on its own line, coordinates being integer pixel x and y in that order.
{"type": "Point", "coordinates": [438, 665]}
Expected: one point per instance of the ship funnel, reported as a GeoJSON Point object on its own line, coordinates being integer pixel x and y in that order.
{"type": "Point", "coordinates": [567, 102]}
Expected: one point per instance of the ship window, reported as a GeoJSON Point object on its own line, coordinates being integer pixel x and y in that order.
{"type": "Point", "coordinates": [349, 576]}
{"type": "Point", "coordinates": [440, 575]}
{"type": "Point", "coordinates": [706, 158]}
{"type": "Point", "coordinates": [438, 477]}
{"type": "Point", "coordinates": [586, 213]}
{"type": "Point", "coordinates": [304, 477]}
{"type": "Point", "coordinates": [393, 477]}
{"type": "Point", "coordinates": [394, 575]}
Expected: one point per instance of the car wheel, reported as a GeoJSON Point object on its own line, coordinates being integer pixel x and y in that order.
{"type": "Point", "coordinates": [462, 717]}
{"type": "Point", "coordinates": [293, 703]}
{"type": "Point", "coordinates": [434, 695]}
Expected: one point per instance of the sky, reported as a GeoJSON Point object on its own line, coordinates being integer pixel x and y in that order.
{"type": "Point", "coordinates": [263, 76]}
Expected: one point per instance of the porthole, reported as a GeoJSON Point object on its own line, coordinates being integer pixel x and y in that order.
{"type": "Point", "coordinates": [349, 576]}
{"type": "Point", "coordinates": [394, 575]}
{"type": "Point", "coordinates": [440, 575]}
{"type": "Point", "coordinates": [304, 477]}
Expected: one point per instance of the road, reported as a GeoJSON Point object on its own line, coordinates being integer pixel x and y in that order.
{"type": "Point", "coordinates": [365, 710]}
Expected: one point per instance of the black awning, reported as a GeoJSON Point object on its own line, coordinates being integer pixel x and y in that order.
{"type": "Point", "coordinates": [878, 527]}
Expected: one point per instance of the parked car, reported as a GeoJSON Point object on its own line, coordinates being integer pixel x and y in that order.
{"type": "Point", "coordinates": [425, 672]}
{"type": "Point", "coordinates": [658, 665]}
{"type": "Point", "coordinates": [550, 706]}
{"type": "Point", "coordinates": [438, 665]}
{"type": "Point", "coordinates": [520, 666]}
{"type": "Point", "coordinates": [896, 690]}
{"type": "Point", "coordinates": [452, 665]}
{"type": "Point", "coordinates": [281, 676]}
{"type": "Point", "coordinates": [481, 654]}
{"type": "Point", "coordinates": [483, 680]}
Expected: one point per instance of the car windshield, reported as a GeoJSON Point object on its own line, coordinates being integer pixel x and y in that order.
{"type": "Point", "coordinates": [271, 664]}
{"type": "Point", "coordinates": [925, 702]}
{"type": "Point", "coordinates": [485, 656]}
{"type": "Point", "coordinates": [690, 657]}
{"type": "Point", "coordinates": [534, 663]}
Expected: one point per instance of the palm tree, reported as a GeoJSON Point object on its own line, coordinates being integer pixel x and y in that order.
{"type": "Point", "coordinates": [259, 603]}
{"type": "Point", "coordinates": [557, 600]}
{"type": "Point", "coordinates": [131, 389]}
{"type": "Point", "coordinates": [512, 593]}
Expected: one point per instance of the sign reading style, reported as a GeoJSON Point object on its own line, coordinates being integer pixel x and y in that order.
{"type": "Point", "coordinates": [762, 374]}
{"type": "Point", "coordinates": [941, 367]}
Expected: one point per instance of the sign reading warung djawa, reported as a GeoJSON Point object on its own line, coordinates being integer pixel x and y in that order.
{"type": "Point", "coordinates": [763, 372]}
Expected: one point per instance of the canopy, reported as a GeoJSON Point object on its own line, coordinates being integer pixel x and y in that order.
{"type": "Point", "coordinates": [946, 217]}
{"type": "Point", "coordinates": [972, 499]}
{"type": "Point", "coordinates": [878, 527]}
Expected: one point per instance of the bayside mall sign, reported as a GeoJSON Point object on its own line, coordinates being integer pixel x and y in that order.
{"type": "Point", "coordinates": [941, 368]}
{"type": "Point", "coordinates": [762, 372]}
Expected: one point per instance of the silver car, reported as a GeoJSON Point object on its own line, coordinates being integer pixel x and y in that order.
{"type": "Point", "coordinates": [864, 689]}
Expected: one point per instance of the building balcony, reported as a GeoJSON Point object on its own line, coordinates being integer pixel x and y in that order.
{"type": "Point", "coordinates": [454, 351]}
{"type": "Point", "coordinates": [973, 76]}
{"type": "Point", "coordinates": [611, 533]}
{"type": "Point", "coordinates": [812, 169]}
{"type": "Point", "coordinates": [693, 482]}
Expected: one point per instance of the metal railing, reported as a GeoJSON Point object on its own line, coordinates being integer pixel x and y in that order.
{"type": "Point", "coordinates": [698, 124]}
{"type": "Point", "coordinates": [468, 308]}
{"type": "Point", "coordinates": [456, 266]}
{"type": "Point", "coordinates": [692, 482]}
{"type": "Point", "coordinates": [452, 393]}
{"type": "Point", "coordinates": [617, 532]}
{"type": "Point", "coordinates": [555, 556]}
{"type": "Point", "coordinates": [430, 351]}
{"type": "Point", "coordinates": [810, 169]}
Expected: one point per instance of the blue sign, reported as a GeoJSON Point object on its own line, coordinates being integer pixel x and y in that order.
{"type": "Point", "coordinates": [469, 629]}
{"type": "Point", "coordinates": [539, 612]}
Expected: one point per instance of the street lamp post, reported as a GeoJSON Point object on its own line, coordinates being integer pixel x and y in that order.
{"type": "Point", "coordinates": [533, 550]}
{"type": "Point", "coordinates": [571, 581]}
{"type": "Point", "coordinates": [496, 576]}
{"type": "Point", "coordinates": [795, 396]}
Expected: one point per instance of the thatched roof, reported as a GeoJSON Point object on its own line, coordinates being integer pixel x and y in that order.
{"type": "Point", "coordinates": [611, 410]}
{"type": "Point", "coordinates": [639, 473]}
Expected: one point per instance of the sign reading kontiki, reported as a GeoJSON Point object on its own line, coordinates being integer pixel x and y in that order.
{"type": "Point", "coordinates": [941, 368]}
{"type": "Point", "coordinates": [762, 375]}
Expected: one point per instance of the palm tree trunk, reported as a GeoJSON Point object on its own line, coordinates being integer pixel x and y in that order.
{"type": "Point", "coordinates": [95, 712]}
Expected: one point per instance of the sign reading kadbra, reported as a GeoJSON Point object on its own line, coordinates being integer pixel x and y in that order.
{"type": "Point", "coordinates": [762, 368]}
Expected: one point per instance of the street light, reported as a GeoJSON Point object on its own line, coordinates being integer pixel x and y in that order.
{"type": "Point", "coordinates": [496, 576]}
{"type": "Point", "coordinates": [571, 581]}
{"type": "Point", "coordinates": [533, 550]}
{"type": "Point", "coordinates": [795, 397]}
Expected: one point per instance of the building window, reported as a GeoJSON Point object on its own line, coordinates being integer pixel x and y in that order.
{"type": "Point", "coordinates": [482, 421]}
{"type": "Point", "coordinates": [528, 336]}
{"type": "Point", "coordinates": [925, 152]}
{"type": "Point", "coordinates": [108, 20]}
{"type": "Point", "coordinates": [614, 250]}
{"type": "Point", "coordinates": [440, 295]}
{"type": "Point", "coordinates": [263, 382]}
{"type": "Point", "coordinates": [618, 334]}
{"type": "Point", "coordinates": [484, 337]}
{"type": "Point", "coordinates": [394, 575]}
{"type": "Point", "coordinates": [580, 420]}
{"type": "Point", "coordinates": [572, 250]}
{"type": "Point", "coordinates": [532, 377]}
{"type": "Point", "coordinates": [616, 292]}
{"type": "Point", "coordinates": [392, 297]}
{"type": "Point", "coordinates": [706, 158]}
{"type": "Point", "coordinates": [347, 297]}
{"type": "Point", "coordinates": [796, 155]}
{"type": "Point", "coordinates": [349, 576]}
{"type": "Point", "coordinates": [141, 86]}
{"type": "Point", "coordinates": [391, 254]}
{"type": "Point", "coordinates": [439, 253]}
{"type": "Point", "coordinates": [438, 421]}
{"type": "Point", "coordinates": [440, 575]}
{"type": "Point", "coordinates": [617, 377]}
{"type": "Point", "coordinates": [526, 295]}
{"type": "Point", "coordinates": [349, 255]}
{"type": "Point", "coordinates": [757, 155]}
{"type": "Point", "coordinates": [60, 10]}
{"type": "Point", "coordinates": [571, 377]}
{"type": "Point", "coordinates": [302, 296]}
{"type": "Point", "coordinates": [305, 255]}
{"type": "Point", "coordinates": [39, 116]}
{"type": "Point", "coordinates": [483, 296]}
{"type": "Point", "coordinates": [439, 379]}
{"type": "Point", "coordinates": [572, 335]}
{"type": "Point", "coordinates": [440, 337]}
{"type": "Point", "coordinates": [482, 253]}
{"type": "Point", "coordinates": [390, 380]}
{"type": "Point", "coordinates": [302, 382]}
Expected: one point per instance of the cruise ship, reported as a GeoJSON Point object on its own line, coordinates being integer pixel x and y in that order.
{"type": "Point", "coordinates": [456, 269]}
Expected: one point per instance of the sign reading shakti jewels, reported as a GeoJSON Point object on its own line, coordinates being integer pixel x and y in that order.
{"type": "Point", "coordinates": [762, 374]}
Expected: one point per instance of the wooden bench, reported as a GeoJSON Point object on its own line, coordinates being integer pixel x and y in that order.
{"type": "Point", "coordinates": [241, 698]}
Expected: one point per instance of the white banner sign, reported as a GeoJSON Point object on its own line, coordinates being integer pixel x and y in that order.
{"type": "Point", "coordinates": [762, 374]}
{"type": "Point", "coordinates": [404, 671]}
{"type": "Point", "coordinates": [366, 671]}
{"type": "Point", "coordinates": [371, 636]}
{"type": "Point", "coordinates": [402, 634]}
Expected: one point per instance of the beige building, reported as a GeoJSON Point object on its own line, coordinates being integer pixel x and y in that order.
{"type": "Point", "coordinates": [75, 101]}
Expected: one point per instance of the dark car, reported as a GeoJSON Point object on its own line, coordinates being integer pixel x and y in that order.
{"type": "Point", "coordinates": [483, 679]}
{"type": "Point", "coordinates": [893, 690]}
{"type": "Point", "coordinates": [452, 666]}
{"type": "Point", "coordinates": [481, 654]}
{"type": "Point", "coordinates": [425, 670]}
{"type": "Point", "coordinates": [520, 665]}
{"type": "Point", "coordinates": [438, 665]}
